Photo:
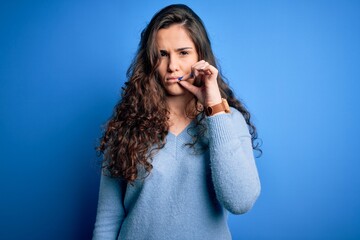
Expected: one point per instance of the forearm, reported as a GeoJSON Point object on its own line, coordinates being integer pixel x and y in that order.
{"type": "Point", "coordinates": [233, 168]}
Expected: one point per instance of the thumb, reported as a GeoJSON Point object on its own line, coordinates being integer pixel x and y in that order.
{"type": "Point", "coordinates": [191, 88]}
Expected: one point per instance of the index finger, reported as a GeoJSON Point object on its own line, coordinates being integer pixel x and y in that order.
{"type": "Point", "coordinates": [187, 76]}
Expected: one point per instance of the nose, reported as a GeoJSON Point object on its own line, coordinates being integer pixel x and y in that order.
{"type": "Point", "coordinates": [173, 64]}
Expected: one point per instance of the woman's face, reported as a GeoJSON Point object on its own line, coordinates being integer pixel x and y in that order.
{"type": "Point", "coordinates": [177, 55]}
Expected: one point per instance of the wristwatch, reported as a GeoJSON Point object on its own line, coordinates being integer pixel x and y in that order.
{"type": "Point", "coordinates": [223, 106]}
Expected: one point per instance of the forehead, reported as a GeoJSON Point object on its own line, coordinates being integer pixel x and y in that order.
{"type": "Point", "coordinates": [175, 36]}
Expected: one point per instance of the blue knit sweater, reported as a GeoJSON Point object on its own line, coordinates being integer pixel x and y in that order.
{"type": "Point", "coordinates": [189, 191]}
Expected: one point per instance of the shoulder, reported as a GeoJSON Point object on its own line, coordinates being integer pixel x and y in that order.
{"type": "Point", "coordinates": [238, 121]}
{"type": "Point", "coordinates": [233, 121]}
{"type": "Point", "coordinates": [236, 114]}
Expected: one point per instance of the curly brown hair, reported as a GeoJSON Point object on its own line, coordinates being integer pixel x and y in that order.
{"type": "Point", "coordinates": [139, 125]}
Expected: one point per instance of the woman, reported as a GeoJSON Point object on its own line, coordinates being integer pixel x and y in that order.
{"type": "Point", "coordinates": [176, 156]}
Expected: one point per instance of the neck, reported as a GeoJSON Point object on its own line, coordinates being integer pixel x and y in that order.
{"type": "Point", "coordinates": [179, 111]}
{"type": "Point", "coordinates": [179, 105]}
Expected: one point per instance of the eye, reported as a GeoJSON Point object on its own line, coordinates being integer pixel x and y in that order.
{"type": "Point", "coordinates": [163, 53]}
{"type": "Point", "coordinates": [184, 53]}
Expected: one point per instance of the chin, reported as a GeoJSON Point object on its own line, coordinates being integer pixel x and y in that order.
{"type": "Point", "coordinates": [175, 90]}
{"type": "Point", "coordinates": [176, 93]}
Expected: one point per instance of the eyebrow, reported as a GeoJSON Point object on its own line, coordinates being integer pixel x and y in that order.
{"type": "Point", "coordinates": [182, 49]}
{"type": "Point", "coordinates": [178, 49]}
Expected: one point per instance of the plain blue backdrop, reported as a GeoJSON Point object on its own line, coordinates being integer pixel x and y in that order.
{"type": "Point", "coordinates": [295, 64]}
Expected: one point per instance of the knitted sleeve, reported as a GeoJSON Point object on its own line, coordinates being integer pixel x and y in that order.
{"type": "Point", "coordinates": [110, 211]}
{"type": "Point", "coordinates": [233, 168]}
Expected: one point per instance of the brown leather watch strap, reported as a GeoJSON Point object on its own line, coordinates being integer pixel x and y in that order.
{"type": "Point", "coordinates": [223, 106]}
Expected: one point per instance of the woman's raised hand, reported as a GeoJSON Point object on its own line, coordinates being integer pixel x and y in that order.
{"type": "Point", "coordinates": [208, 93]}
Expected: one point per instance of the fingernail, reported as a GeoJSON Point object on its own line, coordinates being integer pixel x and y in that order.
{"type": "Point", "coordinates": [191, 75]}
{"type": "Point", "coordinates": [180, 78]}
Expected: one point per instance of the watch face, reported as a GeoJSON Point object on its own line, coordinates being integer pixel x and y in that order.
{"type": "Point", "coordinates": [209, 111]}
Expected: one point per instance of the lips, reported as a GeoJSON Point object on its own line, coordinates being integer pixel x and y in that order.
{"type": "Point", "coordinates": [172, 79]}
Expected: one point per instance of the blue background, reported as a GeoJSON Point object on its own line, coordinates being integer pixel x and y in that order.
{"type": "Point", "coordinates": [294, 63]}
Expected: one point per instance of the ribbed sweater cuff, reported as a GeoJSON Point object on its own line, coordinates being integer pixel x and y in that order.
{"type": "Point", "coordinates": [220, 129]}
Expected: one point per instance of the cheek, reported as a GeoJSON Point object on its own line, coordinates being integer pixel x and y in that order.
{"type": "Point", "coordinates": [193, 60]}
{"type": "Point", "coordinates": [161, 68]}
